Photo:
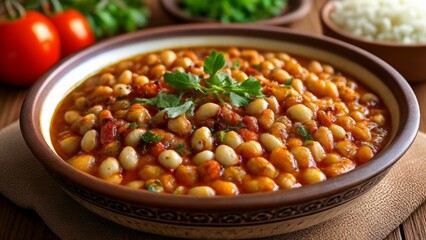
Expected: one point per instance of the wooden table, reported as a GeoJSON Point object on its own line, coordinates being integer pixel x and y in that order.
{"type": "Point", "coordinates": [18, 223]}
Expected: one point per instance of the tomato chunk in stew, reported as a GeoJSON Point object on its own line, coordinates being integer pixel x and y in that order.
{"type": "Point", "coordinates": [219, 121]}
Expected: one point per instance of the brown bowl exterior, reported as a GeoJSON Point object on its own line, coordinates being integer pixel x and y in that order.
{"type": "Point", "coordinates": [244, 216]}
{"type": "Point", "coordinates": [409, 60]}
{"type": "Point", "coordinates": [296, 10]}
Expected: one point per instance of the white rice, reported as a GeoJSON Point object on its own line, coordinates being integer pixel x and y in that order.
{"type": "Point", "coordinates": [402, 21]}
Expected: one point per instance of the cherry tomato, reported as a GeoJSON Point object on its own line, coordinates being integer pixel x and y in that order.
{"type": "Point", "coordinates": [74, 30]}
{"type": "Point", "coordinates": [28, 47]}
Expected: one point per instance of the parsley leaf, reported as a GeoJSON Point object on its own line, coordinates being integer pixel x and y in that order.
{"type": "Point", "coordinates": [182, 80]}
{"type": "Point", "coordinates": [218, 84]}
{"type": "Point", "coordinates": [150, 137]}
{"type": "Point", "coordinates": [288, 82]}
{"type": "Point", "coordinates": [235, 65]}
{"type": "Point", "coordinates": [301, 130]}
{"type": "Point", "coordinates": [213, 63]}
{"type": "Point", "coordinates": [173, 112]}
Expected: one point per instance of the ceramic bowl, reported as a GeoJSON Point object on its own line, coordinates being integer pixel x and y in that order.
{"type": "Point", "coordinates": [407, 59]}
{"type": "Point", "coordinates": [296, 10]}
{"type": "Point", "coordinates": [244, 216]}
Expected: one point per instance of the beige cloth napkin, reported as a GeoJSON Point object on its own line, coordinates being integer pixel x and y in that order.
{"type": "Point", "coordinates": [24, 181]}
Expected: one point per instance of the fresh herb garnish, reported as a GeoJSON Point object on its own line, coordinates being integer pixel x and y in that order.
{"type": "Point", "coordinates": [133, 124]}
{"type": "Point", "coordinates": [180, 147]}
{"type": "Point", "coordinates": [219, 84]}
{"type": "Point", "coordinates": [257, 66]}
{"type": "Point", "coordinates": [154, 186]}
{"type": "Point", "coordinates": [150, 137]}
{"type": "Point", "coordinates": [301, 130]}
{"type": "Point", "coordinates": [288, 82]}
{"type": "Point", "coordinates": [171, 103]}
{"type": "Point", "coordinates": [235, 65]}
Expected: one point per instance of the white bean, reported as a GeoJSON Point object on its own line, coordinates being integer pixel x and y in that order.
{"type": "Point", "coordinates": [170, 159]}
{"type": "Point", "coordinates": [70, 144]}
{"type": "Point", "coordinates": [109, 167]}
{"type": "Point", "coordinates": [71, 116]}
{"type": "Point", "coordinates": [85, 163]}
{"type": "Point", "coordinates": [300, 113]}
{"type": "Point", "coordinates": [125, 77]}
{"type": "Point", "coordinates": [90, 140]}
{"type": "Point", "coordinates": [203, 156]}
{"type": "Point", "coordinates": [180, 125]}
{"type": "Point", "coordinates": [134, 137]}
{"type": "Point", "coordinates": [129, 158]}
{"type": "Point", "coordinates": [202, 139]}
{"type": "Point", "coordinates": [226, 156]}
{"type": "Point", "coordinates": [206, 111]}
{"type": "Point", "coordinates": [270, 142]}
{"type": "Point", "coordinates": [202, 191]}
{"type": "Point", "coordinates": [233, 139]}
{"type": "Point", "coordinates": [256, 107]}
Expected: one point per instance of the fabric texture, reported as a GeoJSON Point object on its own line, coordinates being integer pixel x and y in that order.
{"type": "Point", "coordinates": [376, 215]}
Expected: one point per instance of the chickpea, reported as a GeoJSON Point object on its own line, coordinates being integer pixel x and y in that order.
{"type": "Point", "coordinates": [315, 66]}
{"type": "Point", "coordinates": [159, 118]}
{"type": "Point", "coordinates": [266, 118]}
{"type": "Point", "coordinates": [187, 175]}
{"type": "Point", "coordinates": [150, 172]}
{"type": "Point", "coordinates": [284, 160]}
{"type": "Point", "coordinates": [180, 125]}
{"type": "Point", "coordinates": [256, 107]}
{"type": "Point", "coordinates": [152, 59]}
{"type": "Point", "coordinates": [225, 188]}
{"type": "Point", "coordinates": [331, 90]}
{"type": "Point", "coordinates": [85, 163]}
{"type": "Point", "coordinates": [121, 89]}
{"type": "Point", "coordinates": [317, 151]}
{"type": "Point", "coordinates": [107, 79]}
{"type": "Point", "coordinates": [137, 113]}
{"type": "Point", "coordinates": [157, 71]}
{"type": "Point", "coordinates": [369, 98]}
{"type": "Point", "coordinates": [234, 174]}
{"type": "Point", "coordinates": [303, 156]}
{"type": "Point", "coordinates": [364, 154]}
{"type": "Point", "coordinates": [170, 159]}
{"type": "Point", "coordinates": [71, 116]}
{"type": "Point", "coordinates": [260, 184]}
{"type": "Point", "coordinates": [226, 155]}
{"type": "Point", "coordinates": [134, 137]}
{"type": "Point", "coordinates": [202, 139]}
{"type": "Point", "coordinates": [300, 113]}
{"type": "Point", "coordinates": [102, 91]}
{"type": "Point", "coordinates": [232, 139]}
{"type": "Point", "coordinates": [90, 141]}
{"type": "Point", "coordinates": [325, 137]}
{"type": "Point", "coordinates": [280, 75]}
{"type": "Point", "coordinates": [209, 170]}
{"type": "Point", "coordinates": [202, 191]}
{"type": "Point", "coordinates": [287, 181]}
{"type": "Point", "coordinates": [169, 182]}
{"type": "Point", "coordinates": [184, 62]}
{"type": "Point", "coordinates": [250, 149]}
{"type": "Point", "coordinates": [294, 142]}
{"type": "Point", "coordinates": [313, 175]}
{"type": "Point", "coordinates": [259, 166]}
{"type": "Point", "coordinates": [96, 109]}
{"type": "Point", "coordinates": [80, 103]}
{"type": "Point", "coordinates": [70, 145]}
{"type": "Point", "coordinates": [239, 75]}
{"type": "Point", "coordinates": [125, 77]}
{"type": "Point", "coordinates": [140, 80]}
{"type": "Point", "coordinates": [109, 167]}
{"type": "Point", "coordinates": [129, 158]}
{"type": "Point", "coordinates": [168, 57]}
{"type": "Point", "coordinates": [266, 67]}
{"type": "Point", "coordinates": [379, 119]}
{"type": "Point", "coordinates": [203, 156]}
{"type": "Point", "coordinates": [270, 142]}
{"type": "Point", "coordinates": [207, 111]}
{"type": "Point", "coordinates": [361, 134]}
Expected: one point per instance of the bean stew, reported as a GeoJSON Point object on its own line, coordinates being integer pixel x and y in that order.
{"type": "Point", "coordinates": [219, 121]}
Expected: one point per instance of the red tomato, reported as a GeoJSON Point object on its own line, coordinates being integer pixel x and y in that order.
{"type": "Point", "coordinates": [28, 47]}
{"type": "Point", "coordinates": [74, 30]}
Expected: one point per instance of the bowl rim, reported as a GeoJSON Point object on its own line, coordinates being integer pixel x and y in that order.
{"type": "Point", "coordinates": [406, 132]}
{"type": "Point", "coordinates": [328, 7]}
{"type": "Point", "coordinates": [296, 10]}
